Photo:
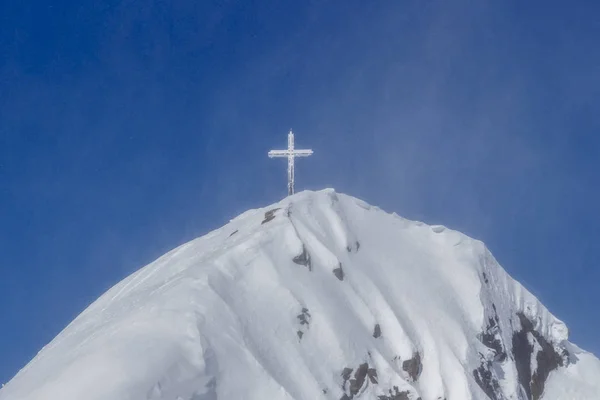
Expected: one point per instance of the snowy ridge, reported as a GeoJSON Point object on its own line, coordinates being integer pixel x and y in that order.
{"type": "Point", "coordinates": [320, 296]}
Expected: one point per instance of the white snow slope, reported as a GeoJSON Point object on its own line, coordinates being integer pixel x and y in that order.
{"type": "Point", "coordinates": [320, 296]}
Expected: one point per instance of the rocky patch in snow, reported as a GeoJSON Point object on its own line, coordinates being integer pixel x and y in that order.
{"type": "Point", "coordinates": [396, 394]}
{"type": "Point", "coordinates": [303, 258]}
{"type": "Point", "coordinates": [353, 385]}
{"type": "Point", "coordinates": [525, 343]}
{"type": "Point", "coordinates": [377, 331]}
{"type": "Point", "coordinates": [304, 319]}
{"type": "Point", "coordinates": [354, 247]}
{"type": "Point", "coordinates": [339, 272]}
{"type": "Point", "coordinates": [269, 215]}
{"type": "Point", "coordinates": [486, 375]}
{"type": "Point", "coordinates": [487, 380]}
{"type": "Point", "coordinates": [413, 366]}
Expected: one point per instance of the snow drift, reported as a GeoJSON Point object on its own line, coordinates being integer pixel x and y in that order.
{"type": "Point", "coordinates": [320, 296]}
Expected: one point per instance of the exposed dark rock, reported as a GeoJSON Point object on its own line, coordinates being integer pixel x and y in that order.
{"type": "Point", "coordinates": [413, 366]}
{"type": "Point", "coordinates": [339, 272]}
{"type": "Point", "coordinates": [233, 233]}
{"type": "Point", "coordinates": [372, 374]}
{"type": "Point", "coordinates": [486, 380]}
{"type": "Point", "coordinates": [303, 258]}
{"type": "Point", "coordinates": [354, 247]}
{"type": "Point", "coordinates": [346, 374]}
{"type": "Point", "coordinates": [269, 215]}
{"type": "Point", "coordinates": [377, 331]}
{"type": "Point", "coordinates": [568, 358]}
{"type": "Point", "coordinates": [304, 317]}
{"type": "Point", "coordinates": [352, 385]}
{"type": "Point", "coordinates": [359, 379]}
{"type": "Point", "coordinates": [492, 323]}
{"type": "Point", "coordinates": [485, 279]}
{"type": "Point", "coordinates": [492, 339]}
{"type": "Point", "coordinates": [396, 395]}
{"type": "Point", "coordinates": [547, 358]}
{"type": "Point", "coordinates": [522, 351]}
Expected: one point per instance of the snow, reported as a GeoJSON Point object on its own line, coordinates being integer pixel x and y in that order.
{"type": "Point", "coordinates": [579, 380]}
{"type": "Point", "coordinates": [220, 316]}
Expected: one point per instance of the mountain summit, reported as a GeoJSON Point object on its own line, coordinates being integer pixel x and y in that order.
{"type": "Point", "coordinates": [320, 296]}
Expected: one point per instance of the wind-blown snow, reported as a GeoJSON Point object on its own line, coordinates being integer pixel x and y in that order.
{"type": "Point", "coordinates": [320, 296]}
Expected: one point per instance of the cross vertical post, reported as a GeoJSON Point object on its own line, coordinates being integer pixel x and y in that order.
{"type": "Point", "coordinates": [290, 163]}
{"type": "Point", "coordinates": [291, 153]}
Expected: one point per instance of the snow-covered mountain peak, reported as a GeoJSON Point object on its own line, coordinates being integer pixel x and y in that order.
{"type": "Point", "coordinates": [320, 296]}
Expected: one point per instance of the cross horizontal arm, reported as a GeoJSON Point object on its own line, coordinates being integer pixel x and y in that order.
{"type": "Point", "coordinates": [287, 153]}
{"type": "Point", "coordinates": [302, 153]}
{"type": "Point", "coordinates": [279, 153]}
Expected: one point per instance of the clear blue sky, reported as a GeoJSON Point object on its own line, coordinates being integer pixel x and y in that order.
{"type": "Point", "coordinates": [130, 127]}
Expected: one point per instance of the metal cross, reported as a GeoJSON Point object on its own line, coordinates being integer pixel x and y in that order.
{"type": "Point", "coordinates": [291, 155]}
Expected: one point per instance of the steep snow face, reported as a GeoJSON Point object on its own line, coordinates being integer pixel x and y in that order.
{"type": "Point", "coordinates": [320, 296]}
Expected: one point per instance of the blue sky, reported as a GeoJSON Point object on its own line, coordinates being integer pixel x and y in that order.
{"type": "Point", "coordinates": [130, 127]}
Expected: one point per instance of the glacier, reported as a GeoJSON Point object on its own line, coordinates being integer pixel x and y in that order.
{"type": "Point", "coordinates": [320, 296]}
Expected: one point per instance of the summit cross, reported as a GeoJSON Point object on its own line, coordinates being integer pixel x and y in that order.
{"type": "Point", "coordinates": [291, 155]}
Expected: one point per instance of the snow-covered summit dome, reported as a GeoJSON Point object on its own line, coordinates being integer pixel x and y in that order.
{"type": "Point", "coordinates": [320, 296]}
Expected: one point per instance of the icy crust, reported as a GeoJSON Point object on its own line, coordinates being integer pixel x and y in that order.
{"type": "Point", "coordinates": [320, 296]}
